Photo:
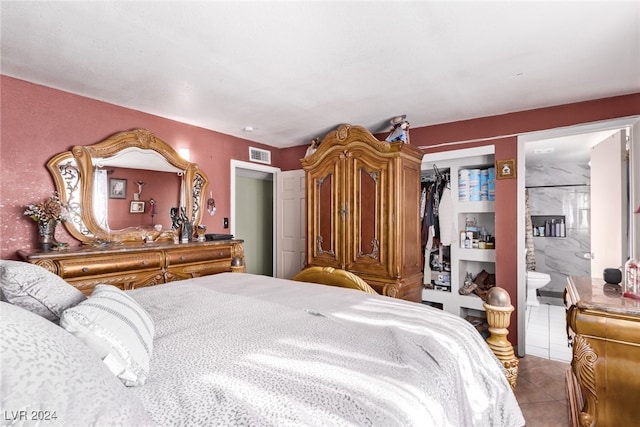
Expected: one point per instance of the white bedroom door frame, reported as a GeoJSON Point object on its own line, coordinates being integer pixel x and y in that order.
{"type": "Point", "coordinates": [236, 166]}
{"type": "Point", "coordinates": [619, 123]}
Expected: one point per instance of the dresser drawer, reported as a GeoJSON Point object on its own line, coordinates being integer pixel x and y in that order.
{"type": "Point", "coordinates": [125, 281]}
{"type": "Point", "coordinates": [98, 265]}
{"type": "Point", "coordinates": [196, 255]}
{"type": "Point", "coordinates": [189, 271]}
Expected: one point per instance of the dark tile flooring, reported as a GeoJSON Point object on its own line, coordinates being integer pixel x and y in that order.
{"type": "Point", "coordinates": [541, 392]}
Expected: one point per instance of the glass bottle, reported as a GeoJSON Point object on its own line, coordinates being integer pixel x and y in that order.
{"type": "Point", "coordinates": [632, 278]}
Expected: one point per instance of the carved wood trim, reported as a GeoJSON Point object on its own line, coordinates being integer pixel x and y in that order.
{"type": "Point", "coordinates": [583, 365]}
{"type": "Point", "coordinates": [72, 172]}
{"type": "Point", "coordinates": [48, 264]}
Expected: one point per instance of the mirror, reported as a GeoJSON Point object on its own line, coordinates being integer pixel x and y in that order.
{"type": "Point", "coordinates": [122, 188]}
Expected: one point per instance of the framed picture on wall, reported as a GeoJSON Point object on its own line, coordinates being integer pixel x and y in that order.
{"type": "Point", "coordinates": [136, 207]}
{"type": "Point", "coordinates": [117, 188]}
{"type": "Point", "coordinates": [506, 169]}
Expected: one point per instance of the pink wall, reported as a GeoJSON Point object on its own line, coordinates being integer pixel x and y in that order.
{"type": "Point", "coordinates": [39, 122]}
{"type": "Point", "coordinates": [502, 132]}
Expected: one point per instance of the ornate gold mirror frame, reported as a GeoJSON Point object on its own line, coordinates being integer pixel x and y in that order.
{"type": "Point", "coordinates": [73, 174]}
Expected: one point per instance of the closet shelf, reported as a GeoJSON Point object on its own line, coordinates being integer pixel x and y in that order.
{"type": "Point", "coordinates": [471, 301]}
{"type": "Point", "coordinates": [481, 255]}
{"type": "Point", "coordinates": [475, 207]}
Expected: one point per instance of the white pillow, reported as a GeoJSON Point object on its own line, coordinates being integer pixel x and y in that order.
{"type": "Point", "coordinates": [36, 289]}
{"type": "Point", "coordinates": [55, 380]}
{"type": "Point", "coordinates": [117, 329]}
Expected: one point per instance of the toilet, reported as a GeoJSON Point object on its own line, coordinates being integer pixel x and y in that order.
{"type": "Point", "coordinates": [535, 280]}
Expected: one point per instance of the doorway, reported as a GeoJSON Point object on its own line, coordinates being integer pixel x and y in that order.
{"type": "Point", "coordinates": [561, 139]}
{"type": "Point", "coordinates": [253, 214]}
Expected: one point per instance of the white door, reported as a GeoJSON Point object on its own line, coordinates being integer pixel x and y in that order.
{"type": "Point", "coordinates": [608, 204]}
{"type": "Point", "coordinates": [290, 233]}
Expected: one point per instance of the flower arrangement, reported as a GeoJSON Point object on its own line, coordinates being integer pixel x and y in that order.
{"type": "Point", "coordinates": [50, 210]}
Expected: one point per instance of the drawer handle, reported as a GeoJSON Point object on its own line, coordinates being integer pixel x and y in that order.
{"type": "Point", "coordinates": [145, 262]}
{"type": "Point", "coordinates": [221, 253]}
{"type": "Point", "coordinates": [182, 258]}
{"type": "Point", "coordinates": [85, 269]}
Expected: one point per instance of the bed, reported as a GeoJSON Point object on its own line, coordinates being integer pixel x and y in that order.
{"type": "Point", "coordinates": [241, 349]}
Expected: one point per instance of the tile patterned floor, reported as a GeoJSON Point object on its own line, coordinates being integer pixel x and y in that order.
{"type": "Point", "coordinates": [541, 389]}
{"type": "Point", "coordinates": [546, 332]}
{"type": "Point", "coordinates": [541, 392]}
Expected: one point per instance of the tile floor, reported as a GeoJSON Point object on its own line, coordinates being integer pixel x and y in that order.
{"type": "Point", "coordinates": [541, 389]}
{"type": "Point", "coordinates": [546, 334]}
{"type": "Point", "coordinates": [541, 392]}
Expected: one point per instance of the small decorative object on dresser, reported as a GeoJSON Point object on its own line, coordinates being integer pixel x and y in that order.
{"type": "Point", "coordinates": [632, 278]}
{"type": "Point", "coordinates": [201, 230]}
{"type": "Point", "coordinates": [47, 215]}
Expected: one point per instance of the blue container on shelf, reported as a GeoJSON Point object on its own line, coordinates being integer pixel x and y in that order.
{"type": "Point", "coordinates": [491, 184]}
{"type": "Point", "coordinates": [474, 185]}
{"type": "Point", "coordinates": [484, 187]}
{"type": "Point", "coordinates": [463, 185]}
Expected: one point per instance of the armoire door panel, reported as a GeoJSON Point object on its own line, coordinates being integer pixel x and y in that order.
{"type": "Point", "coordinates": [323, 190]}
{"type": "Point", "coordinates": [369, 242]}
{"type": "Point", "coordinates": [324, 240]}
{"type": "Point", "coordinates": [369, 181]}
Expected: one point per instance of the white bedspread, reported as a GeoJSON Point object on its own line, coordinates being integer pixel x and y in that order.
{"type": "Point", "coordinates": [246, 350]}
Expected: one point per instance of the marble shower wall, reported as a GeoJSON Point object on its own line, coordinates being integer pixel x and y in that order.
{"type": "Point", "coordinates": [561, 189]}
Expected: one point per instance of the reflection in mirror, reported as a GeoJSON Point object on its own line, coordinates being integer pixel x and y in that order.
{"type": "Point", "coordinates": [151, 169]}
{"type": "Point", "coordinates": [162, 187]}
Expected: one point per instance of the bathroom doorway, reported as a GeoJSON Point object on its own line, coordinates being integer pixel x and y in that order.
{"type": "Point", "coordinates": [557, 176]}
{"type": "Point", "coordinates": [558, 189]}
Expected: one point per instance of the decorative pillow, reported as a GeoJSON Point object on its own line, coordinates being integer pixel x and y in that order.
{"type": "Point", "coordinates": [117, 329]}
{"type": "Point", "coordinates": [37, 289]}
{"type": "Point", "coordinates": [51, 378]}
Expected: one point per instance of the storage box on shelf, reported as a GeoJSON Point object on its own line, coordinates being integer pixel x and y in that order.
{"type": "Point", "coordinates": [464, 259]}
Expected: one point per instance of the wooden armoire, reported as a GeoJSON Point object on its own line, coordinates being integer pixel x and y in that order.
{"type": "Point", "coordinates": [362, 210]}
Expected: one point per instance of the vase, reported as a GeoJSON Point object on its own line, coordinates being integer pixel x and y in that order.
{"type": "Point", "coordinates": [47, 235]}
{"type": "Point", "coordinates": [186, 232]}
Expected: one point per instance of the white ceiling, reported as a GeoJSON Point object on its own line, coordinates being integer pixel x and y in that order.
{"type": "Point", "coordinates": [572, 148]}
{"type": "Point", "coordinates": [295, 70]}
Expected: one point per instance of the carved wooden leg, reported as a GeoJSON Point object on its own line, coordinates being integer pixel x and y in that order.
{"type": "Point", "coordinates": [499, 309]}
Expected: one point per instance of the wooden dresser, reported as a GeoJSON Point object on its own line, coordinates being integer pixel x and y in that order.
{"type": "Point", "coordinates": [135, 265]}
{"type": "Point", "coordinates": [604, 329]}
{"type": "Point", "coordinates": [363, 212]}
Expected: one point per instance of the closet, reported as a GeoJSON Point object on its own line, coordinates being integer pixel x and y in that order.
{"type": "Point", "coordinates": [450, 259]}
{"type": "Point", "coordinates": [435, 208]}
{"type": "Point", "coordinates": [362, 210]}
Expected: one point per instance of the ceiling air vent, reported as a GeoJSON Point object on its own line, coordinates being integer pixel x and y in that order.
{"type": "Point", "coordinates": [260, 156]}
